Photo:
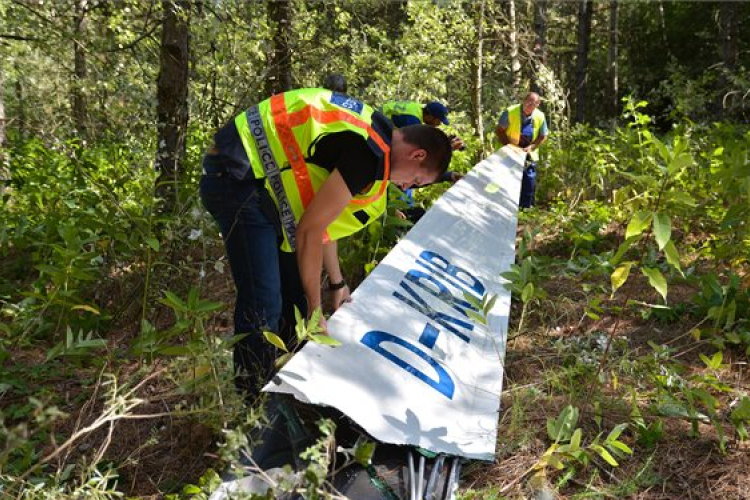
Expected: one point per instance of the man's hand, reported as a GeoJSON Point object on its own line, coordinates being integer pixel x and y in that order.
{"type": "Point", "coordinates": [323, 325]}
{"type": "Point", "coordinates": [341, 297]}
{"type": "Point", "coordinates": [457, 143]}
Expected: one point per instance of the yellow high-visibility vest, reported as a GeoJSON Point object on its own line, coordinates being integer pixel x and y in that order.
{"type": "Point", "coordinates": [514, 127]}
{"type": "Point", "coordinates": [394, 108]}
{"type": "Point", "coordinates": [280, 133]}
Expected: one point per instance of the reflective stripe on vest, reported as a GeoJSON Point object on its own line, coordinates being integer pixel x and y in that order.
{"type": "Point", "coordinates": [322, 116]}
{"type": "Point", "coordinates": [284, 136]}
{"type": "Point", "coordinates": [273, 173]}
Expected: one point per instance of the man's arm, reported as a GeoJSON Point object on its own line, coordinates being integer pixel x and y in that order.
{"type": "Point", "coordinates": [501, 135]}
{"type": "Point", "coordinates": [535, 145]}
{"type": "Point", "coordinates": [325, 206]}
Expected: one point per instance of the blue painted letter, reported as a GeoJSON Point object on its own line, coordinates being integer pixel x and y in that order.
{"type": "Point", "coordinates": [444, 383]}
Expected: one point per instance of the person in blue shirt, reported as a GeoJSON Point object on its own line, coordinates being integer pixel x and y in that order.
{"type": "Point", "coordinates": [524, 125]}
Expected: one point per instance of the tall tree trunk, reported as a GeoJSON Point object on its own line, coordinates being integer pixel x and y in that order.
{"type": "Point", "coordinates": [515, 64]}
{"type": "Point", "coordinates": [21, 100]}
{"type": "Point", "coordinates": [663, 26]}
{"type": "Point", "coordinates": [2, 113]}
{"type": "Point", "coordinates": [280, 58]}
{"type": "Point", "coordinates": [4, 174]}
{"type": "Point", "coordinates": [728, 33]}
{"type": "Point", "coordinates": [172, 91]}
{"type": "Point", "coordinates": [614, 84]}
{"type": "Point", "coordinates": [585, 12]}
{"type": "Point", "coordinates": [540, 45]}
{"type": "Point", "coordinates": [214, 113]}
{"type": "Point", "coordinates": [476, 94]}
{"type": "Point", "coordinates": [80, 111]}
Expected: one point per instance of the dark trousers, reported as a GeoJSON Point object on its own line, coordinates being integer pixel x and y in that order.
{"type": "Point", "coordinates": [267, 279]}
{"type": "Point", "coordinates": [528, 185]}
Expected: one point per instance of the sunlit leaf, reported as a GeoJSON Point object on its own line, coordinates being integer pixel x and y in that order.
{"type": "Point", "coordinates": [638, 224]}
{"type": "Point", "coordinates": [364, 452]}
{"type": "Point", "coordinates": [714, 362]}
{"type": "Point", "coordinates": [678, 163]}
{"type": "Point", "coordinates": [528, 292]}
{"type": "Point", "coordinates": [673, 258]}
{"type": "Point", "coordinates": [662, 229]}
{"type": "Point", "coordinates": [615, 433]}
{"type": "Point", "coordinates": [490, 303]}
{"type": "Point", "coordinates": [607, 456]}
{"type": "Point", "coordinates": [624, 247]}
{"type": "Point", "coordinates": [620, 446]}
{"type": "Point", "coordinates": [153, 243]}
{"type": "Point", "coordinates": [661, 148]}
{"type": "Point", "coordinates": [85, 307]}
{"type": "Point", "coordinates": [477, 317]}
{"type": "Point", "coordinates": [275, 340]}
{"type": "Point", "coordinates": [325, 340]}
{"type": "Point", "coordinates": [656, 280]}
{"type": "Point", "coordinates": [575, 441]}
{"type": "Point", "coordinates": [620, 276]}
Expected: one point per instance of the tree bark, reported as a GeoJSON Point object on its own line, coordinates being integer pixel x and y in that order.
{"type": "Point", "coordinates": [663, 26]}
{"type": "Point", "coordinates": [280, 57]}
{"type": "Point", "coordinates": [477, 75]}
{"type": "Point", "coordinates": [172, 91]}
{"type": "Point", "coordinates": [728, 34]}
{"type": "Point", "coordinates": [80, 111]}
{"type": "Point", "coordinates": [585, 12]}
{"type": "Point", "coordinates": [515, 64]}
{"type": "Point", "coordinates": [613, 69]}
{"type": "Point", "coordinates": [2, 113]}
{"type": "Point", "coordinates": [21, 100]}
{"type": "Point", "coordinates": [540, 44]}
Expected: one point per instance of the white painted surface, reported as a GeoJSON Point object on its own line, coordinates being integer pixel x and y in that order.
{"type": "Point", "coordinates": [413, 369]}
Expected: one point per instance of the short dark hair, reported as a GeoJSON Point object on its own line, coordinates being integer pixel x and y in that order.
{"type": "Point", "coordinates": [434, 141]}
{"type": "Point", "coordinates": [335, 82]}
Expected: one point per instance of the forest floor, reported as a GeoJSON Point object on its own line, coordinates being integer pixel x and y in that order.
{"type": "Point", "coordinates": [166, 448]}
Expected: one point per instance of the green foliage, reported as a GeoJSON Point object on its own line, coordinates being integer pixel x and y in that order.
{"type": "Point", "coordinates": [76, 346]}
{"type": "Point", "coordinates": [524, 281]}
{"type": "Point", "coordinates": [305, 330]}
{"type": "Point", "coordinates": [83, 253]}
{"type": "Point", "coordinates": [568, 449]}
{"type": "Point", "coordinates": [76, 215]}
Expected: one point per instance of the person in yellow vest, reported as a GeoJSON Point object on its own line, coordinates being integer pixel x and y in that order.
{"type": "Point", "coordinates": [286, 179]}
{"type": "Point", "coordinates": [523, 125]}
{"type": "Point", "coordinates": [404, 113]}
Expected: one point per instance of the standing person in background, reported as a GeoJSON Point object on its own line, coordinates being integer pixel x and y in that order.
{"type": "Point", "coordinates": [523, 125]}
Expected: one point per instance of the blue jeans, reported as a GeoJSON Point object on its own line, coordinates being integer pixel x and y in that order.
{"type": "Point", "coordinates": [267, 280]}
{"type": "Point", "coordinates": [528, 185]}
